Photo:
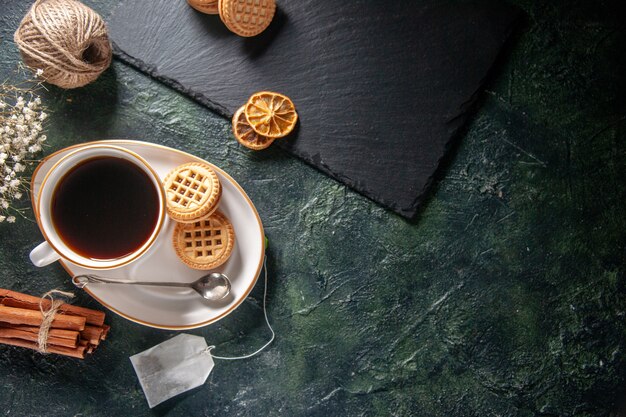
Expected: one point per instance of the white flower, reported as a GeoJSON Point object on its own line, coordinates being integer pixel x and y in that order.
{"type": "Point", "coordinates": [21, 119]}
{"type": "Point", "coordinates": [39, 72]}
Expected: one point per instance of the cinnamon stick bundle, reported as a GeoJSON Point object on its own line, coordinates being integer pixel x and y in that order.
{"type": "Point", "coordinates": [74, 331]}
{"type": "Point", "coordinates": [16, 299]}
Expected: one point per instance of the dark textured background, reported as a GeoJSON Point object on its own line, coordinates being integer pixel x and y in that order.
{"type": "Point", "coordinates": [506, 296]}
{"type": "Point", "coordinates": [381, 89]}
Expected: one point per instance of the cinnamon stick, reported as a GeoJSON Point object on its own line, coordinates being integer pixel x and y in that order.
{"type": "Point", "coordinates": [105, 331]}
{"type": "Point", "coordinates": [32, 337]}
{"type": "Point", "coordinates": [34, 318]}
{"type": "Point", "coordinates": [60, 333]}
{"type": "Point", "coordinates": [16, 299]}
{"type": "Point", "coordinates": [77, 352]}
{"type": "Point", "coordinates": [92, 334]}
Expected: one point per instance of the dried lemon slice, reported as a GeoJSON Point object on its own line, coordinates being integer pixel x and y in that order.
{"type": "Point", "coordinates": [246, 135]}
{"type": "Point", "coordinates": [271, 114]}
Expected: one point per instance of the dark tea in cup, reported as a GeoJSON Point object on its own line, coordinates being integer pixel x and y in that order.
{"type": "Point", "coordinates": [105, 208]}
{"type": "Point", "coordinates": [100, 207]}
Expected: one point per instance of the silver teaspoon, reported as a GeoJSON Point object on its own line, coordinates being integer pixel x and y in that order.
{"type": "Point", "coordinates": [214, 286]}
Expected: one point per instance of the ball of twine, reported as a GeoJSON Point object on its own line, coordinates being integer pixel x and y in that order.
{"type": "Point", "coordinates": [65, 39]}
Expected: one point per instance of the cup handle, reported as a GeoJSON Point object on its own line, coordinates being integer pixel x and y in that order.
{"type": "Point", "coordinates": [43, 255]}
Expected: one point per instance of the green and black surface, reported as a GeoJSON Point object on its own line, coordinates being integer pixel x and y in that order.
{"type": "Point", "coordinates": [506, 296]}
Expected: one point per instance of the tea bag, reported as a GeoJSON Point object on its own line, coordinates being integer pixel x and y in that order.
{"type": "Point", "coordinates": [172, 367]}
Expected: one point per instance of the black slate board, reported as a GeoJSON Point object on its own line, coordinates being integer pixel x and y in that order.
{"type": "Point", "coordinates": [381, 87]}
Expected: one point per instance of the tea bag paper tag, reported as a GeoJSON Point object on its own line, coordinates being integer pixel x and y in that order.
{"type": "Point", "coordinates": [172, 367]}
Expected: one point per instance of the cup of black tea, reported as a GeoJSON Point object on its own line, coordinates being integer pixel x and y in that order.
{"type": "Point", "coordinates": [99, 207]}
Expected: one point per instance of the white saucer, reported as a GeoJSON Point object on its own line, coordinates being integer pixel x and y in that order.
{"type": "Point", "coordinates": [172, 308]}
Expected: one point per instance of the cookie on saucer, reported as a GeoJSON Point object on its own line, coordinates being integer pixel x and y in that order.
{"type": "Point", "coordinates": [193, 192]}
{"type": "Point", "coordinates": [205, 244]}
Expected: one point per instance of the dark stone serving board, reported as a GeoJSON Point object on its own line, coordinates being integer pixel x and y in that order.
{"type": "Point", "coordinates": [381, 87]}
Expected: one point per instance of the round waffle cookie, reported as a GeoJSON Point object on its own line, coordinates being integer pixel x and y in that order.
{"type": "Point", "coordinates": [205, 6]}
{"type": "Point", "coordinates": [271, 114]}
{"type": "Point", "coordinates": [247, 17]}
{"type": "Point", "coordinates": [193, 191]}
{"type": "Point", "coordinates": [205, 244]}
{"type": "Point", "coordinates": [246, 135]}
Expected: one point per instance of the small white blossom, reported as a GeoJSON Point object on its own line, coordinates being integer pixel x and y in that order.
{"type": "Point", "coordinates": [21, 118]}
{"type": "Point", "coordinates": [39, 72]}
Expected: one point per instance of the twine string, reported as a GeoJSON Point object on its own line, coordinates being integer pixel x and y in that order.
{"type": "Point", "coordinates": [269, 326]}
{"type": "Point", "coordinates": [48, 316]}
{"type": "Point", "coordinates": [56, 36]}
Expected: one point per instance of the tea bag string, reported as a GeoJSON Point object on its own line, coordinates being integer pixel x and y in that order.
{"type": "Point", "coordinates": [208, 349]}
{"type": "Point", "coordinates": [48, 316]}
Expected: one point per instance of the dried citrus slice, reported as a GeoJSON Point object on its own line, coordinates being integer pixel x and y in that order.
{"type": "Point", "coordinates": [271, 114]}
{"type": "Point", "coordinates": [246, 135]}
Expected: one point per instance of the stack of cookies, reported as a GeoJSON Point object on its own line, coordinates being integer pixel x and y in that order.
{"type": "Point", "coordinates": [203, 236]}
{"type": "Point", "coordinates": [243, 17]}
{"type": "Point", "coordinates": [266, 116]}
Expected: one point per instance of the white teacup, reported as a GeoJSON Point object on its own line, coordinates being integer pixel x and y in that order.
{"type": "Point", "coordinates": [54, 247]}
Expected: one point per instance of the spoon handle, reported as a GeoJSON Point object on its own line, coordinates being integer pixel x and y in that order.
{"type": "Point", "coordinates": [82, 280]}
